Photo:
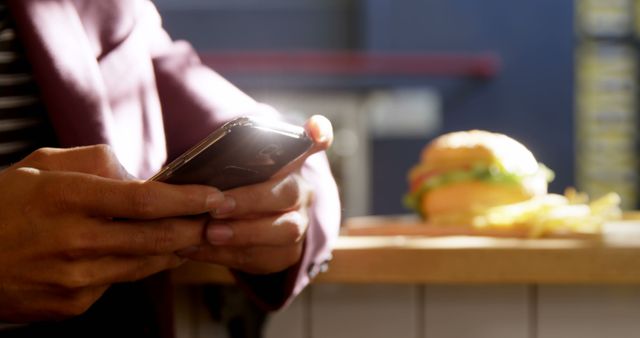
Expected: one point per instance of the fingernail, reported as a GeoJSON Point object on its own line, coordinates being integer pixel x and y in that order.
{"type": "Point", "coordinates": [214, 199]}
{"type": "Point", "coordinates": [219, 234]}
{"type": "Point", "coordinates": [226, 207]}
{"type": "Point", "coordinates": [325, 130]}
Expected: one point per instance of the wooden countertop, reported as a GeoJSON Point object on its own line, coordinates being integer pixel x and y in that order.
{"type": "Point", "coordinates": [612, 258]}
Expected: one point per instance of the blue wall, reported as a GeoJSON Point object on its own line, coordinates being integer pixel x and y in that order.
{"type": "Point", "coordinates": [531, 99]}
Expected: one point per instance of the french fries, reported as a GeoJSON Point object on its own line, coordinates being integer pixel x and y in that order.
{"type": "Point", "coordinates": [553, 214]}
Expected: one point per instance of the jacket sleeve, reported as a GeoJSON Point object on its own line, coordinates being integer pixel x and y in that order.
{"type": "Point", "coordinates": [195, 100]}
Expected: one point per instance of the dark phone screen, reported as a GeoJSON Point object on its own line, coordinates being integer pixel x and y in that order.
{"type": "Point", "coordinates": [246, 155]}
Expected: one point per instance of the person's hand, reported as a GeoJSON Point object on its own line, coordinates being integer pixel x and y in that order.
{"type": "Point", "coordinates": [71, 224]}
{"type": "Point", "coordinates": [264, 230]}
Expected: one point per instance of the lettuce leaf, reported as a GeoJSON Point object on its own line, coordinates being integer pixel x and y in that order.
{"type": "Point", "coordinates": [492, 173]}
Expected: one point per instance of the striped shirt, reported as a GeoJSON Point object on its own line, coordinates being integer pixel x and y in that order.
{"type": "Point", "coordinates": [24, 125]}
{"type": "Point", "coordinates": [23, 122]}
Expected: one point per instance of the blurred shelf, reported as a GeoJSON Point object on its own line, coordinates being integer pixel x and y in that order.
{"type": "Point", "coordinates": [471, 65]}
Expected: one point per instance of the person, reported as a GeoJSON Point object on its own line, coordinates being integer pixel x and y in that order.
{"type": "Point", "coordinates": [79, 223]}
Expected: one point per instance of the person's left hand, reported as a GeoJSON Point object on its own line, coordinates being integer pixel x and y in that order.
{"type": "Point", "coordinates": [263, 231]}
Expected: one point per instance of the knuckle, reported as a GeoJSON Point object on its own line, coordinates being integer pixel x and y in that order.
{"type": "Point", "coordinates": [160, 238]}
{"type": "Point", "coordinates": [289, 192]}
{"type": "Point", "coordinates": [41, 155]}
{"type": "Point", "coordinates": [104, 152]}
{"type": "Point", "coordinates": [105, 162]}
{"type": "Point", "coordinates": [142, 201]}
{"type": "Point", "coordinates": [161, 242]}
{"type": "Point", "coordinates": [75, 279]}
{"type": "Point", "coordinates": [294, 227]}
{"type": "Point", "coordinates": [293, 231]}
{"type": "Point", "coordinates": [78, 246]}
{"type": "Point", "coordinates": [163, 238]}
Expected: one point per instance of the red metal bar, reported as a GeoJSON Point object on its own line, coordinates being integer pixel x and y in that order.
{"type": "Point", "coordinates": [483, 65]}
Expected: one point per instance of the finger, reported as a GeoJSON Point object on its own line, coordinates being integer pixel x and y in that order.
{"type": "Point", "coordinates": [155, 237]}
{"type": "Point", "coordinates": [97, 196]}
{"type": "Point", "coordinates": [97, 160]}
{"type": "Point", "coordinates": [129, 269]}
{"type": "Point", "coordinates": [252, 259]}
{"type": "Point", "coordinates": [285, 229]}
{"type": "Point", "coordinates": [55, 304]}
{"type": "Point", "coordinates": [273, 196]}
{"type": "Point", "coordinates": [112, 269]}
{"type": "Point", "coordinates": [320, 131]}
{"type": "Point", "coordinates": [285, 190]}
{"type": "Point", "coordinates": [95, 237]}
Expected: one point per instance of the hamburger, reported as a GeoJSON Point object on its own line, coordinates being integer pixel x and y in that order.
{"type": "Point", "coordinates": [462, 174]}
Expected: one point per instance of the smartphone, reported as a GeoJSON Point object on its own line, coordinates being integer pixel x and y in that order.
{"type": "Point", "coordinates": [244, 151]}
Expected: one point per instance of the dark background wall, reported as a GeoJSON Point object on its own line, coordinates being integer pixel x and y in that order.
{"type": "Point", "coordinates": [530, 99]}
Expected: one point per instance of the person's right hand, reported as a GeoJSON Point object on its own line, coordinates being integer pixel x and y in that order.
{"type": "Point", "coordinates": [72, 223]}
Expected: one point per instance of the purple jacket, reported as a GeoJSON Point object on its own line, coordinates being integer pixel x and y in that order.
{"type": "Point", "coordinates": [109, 73]}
